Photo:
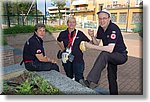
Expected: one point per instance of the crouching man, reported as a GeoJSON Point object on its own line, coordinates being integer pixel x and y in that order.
{"type": "Point", "coordinates": [33, 53]}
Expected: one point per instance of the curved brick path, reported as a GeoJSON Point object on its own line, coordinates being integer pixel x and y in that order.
{"type": "Point", "coordinates": [129, 74]}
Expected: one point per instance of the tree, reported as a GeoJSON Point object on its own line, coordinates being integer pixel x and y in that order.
{"type": "Point", "coordinates": [60, 4]}
{"type": "Point", "coordinates": [18, 8]}
{"type": "Point", "coordinates": [23, 8]}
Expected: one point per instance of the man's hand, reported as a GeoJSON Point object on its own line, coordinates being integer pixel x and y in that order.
{"type": "Point", "coordinates": [88, 45]}
{"type": "Point", "coordinates": [91, 32]}
{"type": "Point", "coordinates": [53, 61]}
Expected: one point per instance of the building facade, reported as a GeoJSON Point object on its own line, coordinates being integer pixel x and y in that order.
{"type": "Point", "coordinates": [53, 14]}
{"type": "Point", "coordinates": [125, 13]}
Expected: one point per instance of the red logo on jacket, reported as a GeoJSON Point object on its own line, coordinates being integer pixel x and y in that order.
{"type": "Point", "coordinates": [113, 36]}
{"type": "Point", "coordinates": [38, 51]}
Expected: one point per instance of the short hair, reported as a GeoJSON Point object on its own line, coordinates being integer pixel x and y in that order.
{"type": "Point", "coordinates": [39, 25]}
{"type": "Point", "coordinates": [70, 17]}
{"type": "Point", "coordinates": [104, 11]}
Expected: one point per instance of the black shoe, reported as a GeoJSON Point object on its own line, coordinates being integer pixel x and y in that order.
{"type": "Point", "coordinates": [84, 82]}
{"type": "Point", "coordinates": [81, 81]}
{"type": "Point", "coordinates": [93, 85]}
{"type": "Point", "coordinates": [87, 83]}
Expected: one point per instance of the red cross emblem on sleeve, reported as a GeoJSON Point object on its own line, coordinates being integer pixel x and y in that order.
{"type": "Point", "coordinates": [38, 51]}
{"type": "Point", "coordinates": [113, 36]}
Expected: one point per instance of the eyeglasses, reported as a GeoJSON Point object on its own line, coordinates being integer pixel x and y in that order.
{"type": "Point", "coordinates": [104, 18]}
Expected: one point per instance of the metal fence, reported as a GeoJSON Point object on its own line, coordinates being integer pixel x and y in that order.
{"type": "Point", "coordinates": [11, 20]}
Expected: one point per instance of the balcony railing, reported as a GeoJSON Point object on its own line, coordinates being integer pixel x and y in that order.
{"type": "Point", "coordinates": [80, 2]}
{"type": "Point", "coordinates": [120, 6]}
{"type": "Point", "coordinates": [81, 9]}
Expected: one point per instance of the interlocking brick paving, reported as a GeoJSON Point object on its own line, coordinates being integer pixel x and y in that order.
{"type": "Point", "coordinates": [130, 74]}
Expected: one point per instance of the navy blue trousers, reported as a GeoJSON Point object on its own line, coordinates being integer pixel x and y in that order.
{"type": "Point", "coordinates": [74, 70]}
{"type": "Point", "coordinates": [111, 60]}
{"type": "Point", "coordinates": [41, 66]}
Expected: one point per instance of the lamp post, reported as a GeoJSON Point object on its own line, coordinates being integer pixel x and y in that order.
{"type": "Point", "coordinates": [45, 13]}
{"type": "Point", "coordinates": [18, 12]}
{"type": "Point", "coordinates": [8, 18]}
{"type": "Point", "coordinates": [128, 15]}
{"type": "Point", "coordinates": [36, 11]}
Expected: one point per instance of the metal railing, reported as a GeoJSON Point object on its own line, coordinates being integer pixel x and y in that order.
{"type": "Point", "coordinates": [22, 19]}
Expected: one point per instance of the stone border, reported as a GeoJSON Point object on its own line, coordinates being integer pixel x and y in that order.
{"type": "Point", "coordinates": [65, 84]}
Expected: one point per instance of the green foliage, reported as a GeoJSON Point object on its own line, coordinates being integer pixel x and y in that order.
{"type": "Point", "coordinates": [30, 29]}
{"type": "Point", "coordinates": [138, 28]}
{"type": "Point", "coordinates": [55, 28]}
{"type": "Point", "coordinates": [19, 7]}
{"type": "Point", "coordinates": [19, 29]}
{"type": "Point", "coordinates": [61, 27]}
{"type": "Point", "coordinates": [33, 85]}
{"type": "Point", "coordinates": [24, 88]}
{"type": "Point", "coordinates": [5, 87]}
{"type": "Point", "coordinates": [50, 28]}
{"type": "Point", "coordinates": [60, 4]}
{"type": "Point", "coordinates": [45, 87]}
{"type": "Point", "coordinates": [8, 88]}
{"type": "Point", "coordinates": [4, 41]}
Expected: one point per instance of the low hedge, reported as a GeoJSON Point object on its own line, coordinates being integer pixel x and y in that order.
{"type": "Point", "coordinates": [19, 29]}
{"type": "Point", "coordinates": [28, 29]}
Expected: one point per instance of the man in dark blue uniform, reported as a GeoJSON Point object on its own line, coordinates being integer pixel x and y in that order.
{"type": "Point", "coordinates": [69, 41]}
{"type": "Point", "coordinates": [33, 53]}
{"type": "Point", "coordinates": [113, 52]}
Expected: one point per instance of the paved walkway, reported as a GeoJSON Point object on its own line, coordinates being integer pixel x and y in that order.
{"type": "Point", "coordinates": [129, 75]}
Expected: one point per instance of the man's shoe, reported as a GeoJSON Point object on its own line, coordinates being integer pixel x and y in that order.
{"type": "Point", "coordinates": [84, 82]}
{"type": "Point", "coordinates": [93, 85]}
{"type": "Point", "coordinates": [87, 83]}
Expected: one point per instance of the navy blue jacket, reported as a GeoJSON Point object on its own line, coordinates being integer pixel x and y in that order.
{"type": "Point", "coordinates": [112, 35]}
{"type": "Point", "coordinates": [33, 46]}
{"type": "Point", "coordinates": [78, 55]}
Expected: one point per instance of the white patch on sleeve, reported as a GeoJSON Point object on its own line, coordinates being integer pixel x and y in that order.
{"type": "Point", "coordinates": [113, 36]}
{"type": "Point", "coordinates": [38, 51]}
{"type": "Point", "coordinates": [111, 43]}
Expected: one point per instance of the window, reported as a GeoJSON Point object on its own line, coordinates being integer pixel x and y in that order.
{"type": "Point", "coordinates": [123, 18]}
{"type": "Point", "coordinates": [138, 2]}
{"type": "Point", "coordinates": [137, 17]}
{"type": "Point", "coordinates": [115, 2]}
{"type": "Point", "coordinates": [114, 17]}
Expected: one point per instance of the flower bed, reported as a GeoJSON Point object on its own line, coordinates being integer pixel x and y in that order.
{"type": "Point", "coordinates": [29, 83]}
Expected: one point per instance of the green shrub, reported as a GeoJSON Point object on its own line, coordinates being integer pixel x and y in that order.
{"type": "Point", "coordinates": [138, 28]}
{"type": "Point", "coordinates": [50, 28]}
{"type": "Point", "coordinates": [61, 27]}
{"type": "Point", "coordinates": [44, 86]}
{"type": "Point", "coordinates": [19, 29]}
{"type": "Point", "coordinates": [34, 84]}
{"type": "Point", "coordinates": [56, 27]}
{"type": "Point", "coordinates": [30, 29]}
{"type": "Point", "coordinates": [24, 88]}
{"type": "Point", "coordinates": [4, 41]}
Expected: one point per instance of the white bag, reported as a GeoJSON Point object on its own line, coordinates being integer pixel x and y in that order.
{"type": "Point", "coordinates": [65, 57]}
